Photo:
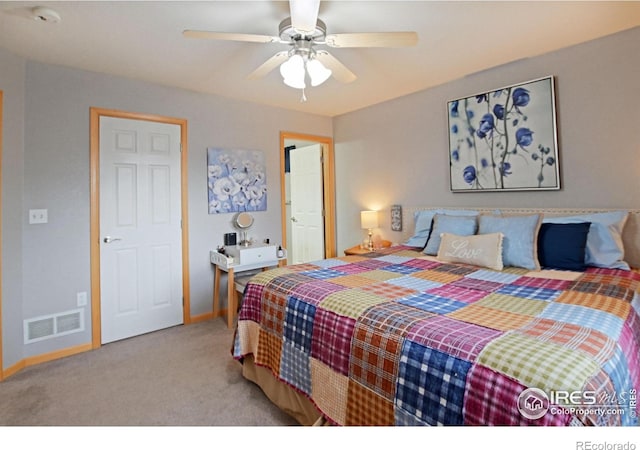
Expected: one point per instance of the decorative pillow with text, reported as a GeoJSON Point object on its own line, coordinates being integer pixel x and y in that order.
{"type": "Point", "coordinates": [484, 250]}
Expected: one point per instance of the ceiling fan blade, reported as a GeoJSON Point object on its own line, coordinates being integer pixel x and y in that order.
{"type": "Point", "coordinates": [304, 14]}
{"type": "Point", "coordinates": [269, 65]}
{"type": "Point", "coordinates": [382, 39]}
{"type": "Point", "coordinates": [339, 70]}
{"type": "Point", "coordinates": [229, 36]}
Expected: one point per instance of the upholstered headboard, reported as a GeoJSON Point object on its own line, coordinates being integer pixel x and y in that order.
{"type": "Point", "coordinates": [630, 234]}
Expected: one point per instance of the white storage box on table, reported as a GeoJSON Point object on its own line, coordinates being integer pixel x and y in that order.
{"type": "Point", "coordinates": [251, 254]}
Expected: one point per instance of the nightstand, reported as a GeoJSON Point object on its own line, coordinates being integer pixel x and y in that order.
{"type": "Point", "coordinates": [357, 250]}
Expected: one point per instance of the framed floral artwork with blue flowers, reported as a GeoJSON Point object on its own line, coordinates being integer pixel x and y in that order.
{"type": "Point", "coordinates": [505, 139]}
{"type": "Point", "coordinates": [237, 180]}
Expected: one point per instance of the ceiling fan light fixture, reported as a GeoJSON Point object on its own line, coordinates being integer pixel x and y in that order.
{"type": "Point", "coordinates": [292, 71]}
{"type": "Point", "coordinates": [317, 72]}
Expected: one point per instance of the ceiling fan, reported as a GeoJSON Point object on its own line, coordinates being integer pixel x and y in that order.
{"type": "Point", "coordinates": [303, 32]}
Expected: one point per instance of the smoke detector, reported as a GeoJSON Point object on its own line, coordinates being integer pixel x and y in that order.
{"type": "Point", "coordinates": [42, 14]}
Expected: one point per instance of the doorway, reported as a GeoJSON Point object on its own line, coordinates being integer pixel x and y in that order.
{"type": "Point", "coordinates": [159, 293]}
{"type": "Point", "coordinates": [322, 187]}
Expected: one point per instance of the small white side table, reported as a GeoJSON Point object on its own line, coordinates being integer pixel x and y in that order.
{"type": "Point", "coordinates": [222, 264]}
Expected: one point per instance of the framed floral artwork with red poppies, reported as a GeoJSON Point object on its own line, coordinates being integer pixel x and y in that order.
{"type": "Point", "coordinates": [505, 139]}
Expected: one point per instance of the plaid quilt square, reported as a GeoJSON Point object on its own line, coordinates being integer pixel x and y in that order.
{"type": "Point", "coordinates": [474, 283]}
{"type": "Point", "coordinates": [456, 269]}
{"type": "Point", "coordinates": [591, 342]}
{"type": "Point", "coordinates": [494, 276]}
{"type": "Point", "coordinates": [395, 259]}
{"type": "Point", "coordinates": [351, 281]}
{"type": "Point", "coordinates": [365, 407]}
{"type": "Point", "coordinates": [373, 264]}
{"type": "Point", "coordinates": [463, 340]}
{"type": "Point", "coordinates": [401, 268]}
{"type": "Point", "coordinates": [604, 322]}
{"type": "Point", "coordinates": [388, 290]}
{"type": "Point", "coordinates": [295, 367]}
{"type": "Point", "coordinates": [351, 302]}
{"type": "Point", "coordinates": [392, 318]}
{"type": "Point", "coordinates": [272, 311]}
{"type": "Point", "coordinates": [315, 291]}
{"type": "Point", "coordinates": [431, 384]}
{"type": "Point", "coordinates": [286, 283]}
{"type": "Point", "coordinates": [331, 341]}
{"type": "Point", "coordinates": [535, 363]}
{"type": "Point", "coordinates": [599, 302]}
{"type": "Point", "coordinates": [323, 274]}
{"type": "Point", "coordinates": [349, 269]}
{"type": "Point", "coordinates": [461, 294]}
{"type": "Point", "coordinates": [374, 359]}
{"type": "Point", "coordinates": [251, 302]}
{"type": "Point", "coordinates": [439, 277]}
{"type": "Point", "coordinates": [493, 398]}
{"type": "Point", "coordinates": [495, 319]}
{"type": "Point", "coordinates": [522, 306]}
{"type": "Point", "coordinates": [416, 284]}
{"type": "Point", "coordinates": [269, 351]}
{"type": "Point", "coordinates": [530, 292]}
{"type": "Point", "coordinates": [298, 324]}
{"type": "Point", "coordinates": [423, 264]}
{"type": "Point", "coordinates": [544, 283]}
{"type": "Point", "coordinates": [380, 275]}
{"type": "Point", "coordinates": [627, 280]}
{"type": "Point", "coordinates": [265, 276]}
{"type": "Point", "coordinates": [609, 290]}
{"type": "Point", "coordinates": [339, 261]}
{"type": "Point", "coordinates": [330, 390]}
{"type": "Point", "coordinates": [432, 303]}
{"type": "Point", "coordinates": [302, 267]}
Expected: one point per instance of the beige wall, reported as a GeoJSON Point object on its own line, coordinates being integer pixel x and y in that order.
{"type": "Point", "coordinates": [47, 166]}
{"type": "Point", "coordinates": [397, 151]}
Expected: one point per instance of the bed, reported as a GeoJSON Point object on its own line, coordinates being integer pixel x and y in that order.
{"type": "Point", "coordinates": [480, 317]}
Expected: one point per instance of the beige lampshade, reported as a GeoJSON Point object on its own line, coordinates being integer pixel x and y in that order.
{"type": "Point", "coordinates": [369, 219]}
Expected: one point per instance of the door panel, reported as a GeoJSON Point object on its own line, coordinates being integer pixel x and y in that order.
{"type": "Point", "coordinates": [307, 227]}
{"type": "Point", "coordinates": [140, 227]}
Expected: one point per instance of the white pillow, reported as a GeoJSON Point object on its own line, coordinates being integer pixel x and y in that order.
{"type": "Point", "coordinates": [484, 250]}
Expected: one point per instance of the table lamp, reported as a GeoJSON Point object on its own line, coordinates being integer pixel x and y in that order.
{"type": "Point", "coordinates": [368, 221]}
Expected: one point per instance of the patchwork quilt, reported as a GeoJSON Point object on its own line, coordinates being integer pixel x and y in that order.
{"type": "Point", "coordinates": [399, 338]}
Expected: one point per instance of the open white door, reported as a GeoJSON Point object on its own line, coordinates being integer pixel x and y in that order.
{"type": "Point", "coordinates": [140, 227]}
{"type": "Point", "coordinates": [307, 227]}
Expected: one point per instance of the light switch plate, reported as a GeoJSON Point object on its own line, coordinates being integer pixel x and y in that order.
{"type": "Point", "coordinates": [38, 216]}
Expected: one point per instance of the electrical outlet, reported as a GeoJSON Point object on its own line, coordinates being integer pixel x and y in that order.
{"type": "Point", "coordinates": [82, 298]}
{"type": "Point", "coordinates": [38, 216]}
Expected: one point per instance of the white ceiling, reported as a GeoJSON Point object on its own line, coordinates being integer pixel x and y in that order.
{"type": "Point", "coordinates": [143, 40]}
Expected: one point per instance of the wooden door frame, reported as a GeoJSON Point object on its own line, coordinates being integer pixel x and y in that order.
{"type": "Point", "coordinates": [328, 186]}
{"type": "Point", "coordinates": [94, 124]}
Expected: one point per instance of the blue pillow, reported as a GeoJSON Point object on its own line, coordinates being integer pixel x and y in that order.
{"type": "Point", "coordinates": [444, 223]}
{"type": "Point", "coordinates": [563, 245]}
{"type": "Point", "coordinates": [423, 221]}
{"type": "Point", "coordinates": [520, 242]}
{"type": "Point", "coordinates": [604, 242]}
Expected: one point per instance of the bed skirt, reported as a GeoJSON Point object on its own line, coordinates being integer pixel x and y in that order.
{"type": "Point", "coordinates": [284, 397]}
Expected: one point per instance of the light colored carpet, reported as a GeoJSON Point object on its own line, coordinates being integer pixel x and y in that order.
{"type": "Point", "coordinates": [180, 376]}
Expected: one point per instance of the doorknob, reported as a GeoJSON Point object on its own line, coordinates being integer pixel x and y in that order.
{"type": "Point", "coordinates": [109, 239]}
{"type": "Point", "coordinates": [293, 219]}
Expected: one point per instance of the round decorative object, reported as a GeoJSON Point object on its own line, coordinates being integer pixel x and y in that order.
{"type": "Point", "coordinates": [243, 221]}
